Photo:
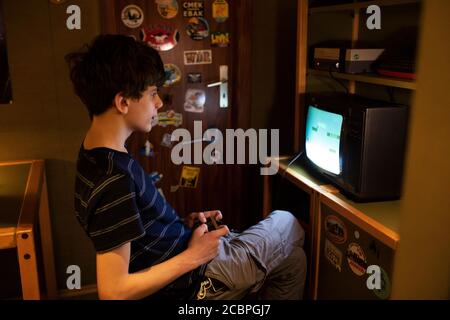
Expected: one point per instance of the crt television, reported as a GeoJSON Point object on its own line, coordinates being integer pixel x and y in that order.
{"type": "Point", "coordinates": [357, 144]}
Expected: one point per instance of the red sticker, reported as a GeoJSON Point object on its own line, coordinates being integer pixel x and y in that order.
{"type": "Point", "coordinates": [162, 37]}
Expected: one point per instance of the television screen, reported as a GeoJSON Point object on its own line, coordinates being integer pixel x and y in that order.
{"type": "Point", "coordinates": [323, 139]}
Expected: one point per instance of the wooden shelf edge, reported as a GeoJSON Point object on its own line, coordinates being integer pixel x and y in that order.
{"type": "Point", "coordinates": [368, 78]}
{"type": "Point", "coordinates": [359, 5]}
{"type": "Point", "coordinates": [383, 233]}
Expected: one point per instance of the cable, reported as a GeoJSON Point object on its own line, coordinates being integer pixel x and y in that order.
{"type": "Point", "coordinates": [291, 161]}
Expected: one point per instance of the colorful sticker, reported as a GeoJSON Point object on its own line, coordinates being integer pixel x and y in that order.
{"type": "Point", "coordinates": [385, 290]}
{"type": "Point", "coordinates": [166, 140]}
{"type": "Point", "coordinates": [197, 57]}
{"type": "Point", "coordinates": [197, 28]}
{"type": "Point", "coordinates": [189, 177]}
{"type": "Point", "coordinates": [194, 101]}
{"type": "Point", "coordinates": [333, 255]}
{"type": "Point", "coordinates": [165, 119]}
{"type": "Point", "coordinates": [147, 150]}
{"type": "Point", "coordinates": [167, 9]}
{"type": "Point", "coordinates": [356, 259]}
{"type": "Point", "coordinates": [173, 74]}
{"type": "Point", "coordinates": [194, 78]}
{"type": "Point", "coordinates": [335, 229]}
{"type": "Point", "coordinates": [220, 39]}
{"type": "Point", "coordinates": [162, 37]}
{"type": "Point", "coordinates": [220, 10]}
{"type": "Point", "coordinates": [193, 9]}
{"type": "Point", "coordinates": [132, 16]}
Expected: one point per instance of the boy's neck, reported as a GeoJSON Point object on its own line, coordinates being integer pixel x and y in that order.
{"type": "Point", "coordinates": [107, 131]}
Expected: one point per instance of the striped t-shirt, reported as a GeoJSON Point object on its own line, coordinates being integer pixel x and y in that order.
{"type": "Point", "coordinates": [117, 202]}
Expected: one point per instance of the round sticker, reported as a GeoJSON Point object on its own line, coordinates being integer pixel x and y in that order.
{"type": "Point", "coordinates": [167, 9]}
{"type": "Point", "coordinates": [161, 37]}
{"type": "Point", "coordinates": [197, 28]}
{"type": "Point", "coordinates": [385, 290]}
{"type": "Point", "coordinates": [335, 229]}
{"type": "Point", "coordinates": [132, 16]}
{"type": "Point", "coordinates": [356, 259]}
{"type": "Point", "coordinates": [173, 74]}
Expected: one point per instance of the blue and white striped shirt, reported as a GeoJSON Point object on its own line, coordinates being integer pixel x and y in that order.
{"type": "Point", "coordinates": [116, 202]}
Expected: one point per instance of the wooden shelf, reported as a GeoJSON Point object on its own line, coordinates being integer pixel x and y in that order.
{"type": "Point", "coordinates": [368, 78]}
{"type": "Point", "coordinates": [359, 5]}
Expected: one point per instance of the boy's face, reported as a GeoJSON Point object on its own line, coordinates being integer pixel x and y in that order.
{"type": "Point", "coordinates": [141, 112]}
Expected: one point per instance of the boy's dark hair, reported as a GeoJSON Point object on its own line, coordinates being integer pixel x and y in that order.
{"type": "Point", "coordinates": [113, 64]}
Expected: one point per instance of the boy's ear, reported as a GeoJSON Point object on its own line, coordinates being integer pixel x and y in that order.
{"type": "Point", "coordinates": [121, 103]}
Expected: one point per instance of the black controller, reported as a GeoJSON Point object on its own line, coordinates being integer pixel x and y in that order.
{"type": "Point", "coordinates": [211, 222]}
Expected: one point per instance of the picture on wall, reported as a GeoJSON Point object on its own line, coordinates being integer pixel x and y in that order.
{"type": "Point", "coordinates": [5, 79]}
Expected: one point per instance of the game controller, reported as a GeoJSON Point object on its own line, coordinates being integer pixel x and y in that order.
{"type": "Point", "coordinates": [211, 222]}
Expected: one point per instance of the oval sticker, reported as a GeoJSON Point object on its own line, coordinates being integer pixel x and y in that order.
{"type": "Point", "coordinates": [335, 229]}
{"type": "Point", "coordinates": [132, 16]}
{"type": "Point", "coordinates": [356, 259]}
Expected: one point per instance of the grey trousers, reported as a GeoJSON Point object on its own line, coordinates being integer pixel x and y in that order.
{"type": "Point", "coordinates": [266, 261]}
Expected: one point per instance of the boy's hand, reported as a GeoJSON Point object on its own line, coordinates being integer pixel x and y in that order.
{"type": "Point", "coordinates": [202, 216]}
{"type": "Point", "coordinates": [203, 245]}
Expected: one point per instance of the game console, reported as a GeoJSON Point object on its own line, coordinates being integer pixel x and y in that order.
{"type": "Point", "coordinates": [345, 60]}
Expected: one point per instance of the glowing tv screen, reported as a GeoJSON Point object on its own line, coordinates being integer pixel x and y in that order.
{"type": "Point", "coordinates": [323, 139]}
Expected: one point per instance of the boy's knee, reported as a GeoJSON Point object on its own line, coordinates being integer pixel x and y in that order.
{"type": "Point", "coordinates": [289, 227]}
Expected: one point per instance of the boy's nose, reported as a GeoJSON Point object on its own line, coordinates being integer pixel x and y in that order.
{"type": "Point", "coordinates": [159, 104]}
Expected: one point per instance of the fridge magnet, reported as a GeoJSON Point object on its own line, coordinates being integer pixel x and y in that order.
{"type": "Point", "coordinates": [356, 259]}
{"type": "Point", "coordinates": [167, 9]}
{"type": "Point", "coordinates": [333, 255]}
{"type": "Point", "coordinates": [385, 291]}
{"type": "Point", "coordinates": [195, 57]}
{"type": "Point", "coordinates": [162, 37]}
{"type": "Point", "coordinates": [193, 9]}
{"type": "Point", "coordinates": [220, 10]}
{"type": "Point", "coordinates": [189, 177]}
{"type": "Point", "coordinates": [132, 16]}
{"type": "Point", "coordinates": [194, 78]}
{"type": "Point", "coordinates": [197, 28]}
{"type": "Point", "coordinates": [170, 118]}
{"type": "Point", "coordinates": [173, 74]}
{"type": "Point", "coordinates": [166, 140]}
{"type": "Point", "coordinates": [335, 229]}
{"type": "Point", "coordinates": [194, 101]}
{"type": "Point", "coordinates": [220, 39]}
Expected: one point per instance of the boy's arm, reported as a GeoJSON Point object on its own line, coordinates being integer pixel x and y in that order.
{"type": "Point", "coordinates": [115, 282]}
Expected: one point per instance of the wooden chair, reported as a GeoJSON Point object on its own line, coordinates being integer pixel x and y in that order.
{"type": "Point", "coordinates": [25, 225]}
